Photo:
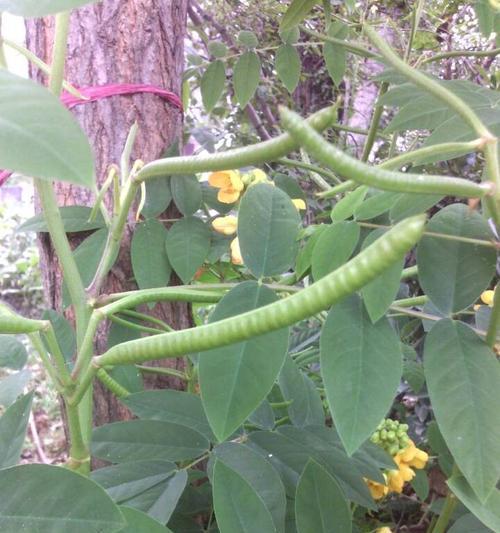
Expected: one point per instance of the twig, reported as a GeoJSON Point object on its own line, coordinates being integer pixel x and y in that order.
{"type": "Point", "coordinates": [36, 440]}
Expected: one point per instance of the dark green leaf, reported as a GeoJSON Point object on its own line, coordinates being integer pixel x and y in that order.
{"type": "Point", "coordinates": [40, 8]}
{"type": "Point", "coordinates": [74, 217]}
{"type": "Point", "coordinates": [361, 364]}
{"type": "Point", "coordinates": [334, 247]}
{"type": "Point", "coordinates": [209, 195]}
{"type": "Point", "coordinates": [468, 523]}
{"type": "Point", "coordinates": [463, 378]}
{"type": "Point", "coordinates": [413, 374]}
{"type": "Point", "coordinates": [238, 508]}
{"type": "Point", "coordinates": [53, 144]}
{"type": "Point", "coordinates": [408, 205]}
{"type": "Point", "coordinates": [420, 484]}
{"type": "Point", "coordinates": [304, 257]}
{"type": "Point", "coordinates": [247, 39]}
{"type": "Point", "coordinates": [170, 406]}
{"type": "Point", "coordinates": [260, 475]}
{"type": "Point", "coordinates": [288, 66]}
{"type": "Point", "coordinates": [188, 244]}
{"type": "Point", "coordinates": [487, 512]}
{"type": "Point", "coordinates": [217, 48]}
{"type": "Point", "coordinates": [246, 77]}
{"type": "Point", "coordinates": [158, 197]}
{"type": "Point", "coordinates": [12, 386]}
{"type": "Point", "coordinates": [289, 185]}
{"type": "Point", "coordinates": [136, 439]}
{"type": "Point", "coordinates": [64, 333]}
{"type": "Point", "coordinates": [375, 205]}
{"type": "Point", "coordinates": [235, 379]}
{"type": "Point", "coordinates": [150, 263]}
{"type": "Point", "coordinates": [139, 522]}
{"type": "Point", "coordinates": [379, 294]}
{"type": "Point", "coordinates": [13, 354]}
{"type": "Point", "coordinates": [335, 59]}
{"type": "Point", "coordinates": [306, 407]}
{"type": "Point", "coordinates": [263, 417]}
{"type": "Point", "coordinates": [452, 273]}
{"type": "Point", "coordinates": [346, 207]}
{"type": "Point", "coordinates": [268, 224]}
{"type": "Point", "coordinates": [52, 499]}
{"type": "Point", "coordinates": [13, 424]}
{"type": "Point", "coordinates": [320, 504]}
{"type": "Point", "coordinates": [212, 84]}
{"type": "Point", "coordinates": [296, 13]}
{"type": "Point", "coordinates": [186, 192]}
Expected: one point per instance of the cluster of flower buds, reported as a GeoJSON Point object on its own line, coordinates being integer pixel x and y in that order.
{"type": "Point", "coordinates": [391, 436]}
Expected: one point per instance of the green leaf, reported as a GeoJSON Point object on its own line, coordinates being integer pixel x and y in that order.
{"type": "Point", "coordinates": [288, 66]}
{"type": "Point", "coordinates": [463, 378]}
{"type": "Point", "coordinates": [320, 504]}
{"type": "Point", "coordinates": [361, 365]}
{"type": "Point", "coordinates": [452, 273]}
{"type": "Point", "coordinates": [158, 197]}
{"type": "Point", "coordinates": [38, 136]}
{"type": "Point", "coordinates": [160, 501]}
{"type": "Point", "coordinates": [468, 523]}
{"type": "Point", "coordinates": [246, 77]}
{"type": "Point", "coordinates": [52, 499]}
{"type": "Point", "coordinates": [420, 484]}
{"type": "Point", "coordinates": [212, 84]}
{"type": "Point", "coordinates": [209, 196]}
{"type": "Point", "coordinates": [268, 224]}
{"type": "Point", "coordinates": [186, 192]}
{"type": "Point", "coordinates": [13, 424]}
{"type": "Point", "coordinates": [379, 294]}
{"type": "Point", "coordinates": [306, 407]}
{"type": "Point", "coordinates": [40, 8]}
{"type": "Point", "coordinates": [346, 207]}
{"type": "Point", "coordinates": [12, 386]}
{"type": "Point", "coordinates": [136, 439]}
{"type": "Point", "coordinates": [238, 508]}
{"type": "Point", "coordinates": [290, 36]}
{"type": "Point", "coordinates": [408, 205]}
{"type": "Point", "coordinates": [149, 256]}
{"type": "Point", "coordinates": [74, 218]}
{"type": "Point", "coordinates": [13, 354]}
{"type": "Point", "coordinates": [217, 48]}
{"type": "Point", "coordinates": [289, 185]}
{"type": "Point", "coordinates": [413, 374]}
{"type": "Point", "coordinates": [188, 244]}
{"type": "Point", "coordinates": [260, 475]}
{"type": "Point", "coordinates": [247, 39]}
{"type": "Point", "coordinates": [235, 379]}
{"type": "Point", "coordinates": [334, 247]}
{"type": "Point", "coordinates": [127, 480]}
{"type": "Point", "coordinates": [375, 205]}
{"type": "Point", "coordinates": [263, 417]}
{"type": "Point", "coordinates": [139, 522]}
{"type": "Point", "coordinates": [488, 512]}
{"type": "Point", "coordinates": [335, 55]}
{"type": "Point", "coordinates": [170, 406]}
{"type": "Point", "coordinates": [64, 332]}
{"type": "Point", "coordinates": [296, 13]}
{"type": "Point", "coordinates": [304, 257]}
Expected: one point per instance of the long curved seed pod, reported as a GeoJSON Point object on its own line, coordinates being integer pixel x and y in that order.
{"type": "Point", "coordinates": [12, 323]}
{"type": "Point", "coordinates": [239, 157]}
{"type": "Point", "coordinates": [319, 296]}
{"type": "Point", "coordinates": [388, 180]}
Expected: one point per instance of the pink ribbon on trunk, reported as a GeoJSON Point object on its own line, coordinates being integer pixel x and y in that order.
{"type": "Point", "coordinates": [92, 94]}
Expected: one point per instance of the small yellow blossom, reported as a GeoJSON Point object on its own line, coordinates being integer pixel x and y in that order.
{"type": "Point", "coordinates": [256, 176]}
{"type": "Point", "coordinates": [377, 490]}
{"type": "Point", "coordinates": [236, 258]}
{"type": "Point", "coordinates": [230, 184]}
{"type": "Point", "coordinates": [384, 529]}
{"type": "Point", "coordinates": [487, 297]}
{"type": "Point", "coordinates": [299, 203]}
{"type": "Point", "coordinates": [412, 456]}
{"type": "Point", "coordinates": [225, 225]}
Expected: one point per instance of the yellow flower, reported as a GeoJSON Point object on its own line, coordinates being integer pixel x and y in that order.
{"type": "Point", "coordinates": [230, 184]}
{"type": "Point", "coordinates": [236, 258]}
{"type": "Point", "coordinates": [225, 225]}
{"type": "Point", "coordinates": [377, 490]}
{"type": "Point", "coordinates": [487, 297]}
{"type": "Point", "coordinates": [395, 481]}
{"type": "Point", "coordinates": [411, 456]}
{"type": "Point", "coordinates": [256, 176]}
{"type": "Point", "coordinates": [299, 203]}
{"type": "Point", "coordinates": [384, 529]}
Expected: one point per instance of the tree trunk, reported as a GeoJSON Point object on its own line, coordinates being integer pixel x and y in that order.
{"type": "Point", "coordinates": [119, 41]}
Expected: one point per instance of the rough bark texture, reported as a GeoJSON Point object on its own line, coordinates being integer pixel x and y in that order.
{"type": "Point", "coordinates": [119, 41]}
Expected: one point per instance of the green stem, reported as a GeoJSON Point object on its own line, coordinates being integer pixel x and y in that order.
{"type": "Point", "coordinates": [163, 371]}
{"type": "Point", "coordinates": [348, 185]}
{"type": "Point", "coordinates": [329, 155]}
{"type": "Point", "coordinates": [315, 177]}
{"type": "Point", "coordinates": [308, 166]}
{"type": "Point", "coordinates": [409, 272]}
{"type": "Point", "coordinates": [461, 53]}
{"type": "Point", "coordinates": [256, 154]}
{"type": "Point", "coordinates": [127, 151]}
{"type": "Point", "coordinates": [79, 459]}
{"type": "Point", "coordinates": [411, 302]}
{"type": "Point", "coordinates": [30, 56]}
{"type": "Point", "coordinates": [450, 503]}
{"type": "Point", "coordinates": [111, 384]}
{"type": "Point", "coordinates": [494, 324]}
{"type": "Point", "coordinates": [147, 318]}
{"type": "Point", "coordinates": [44, 356]}
{"type": "Point", "coordinates": [133, 325]}
{"type": "Point", "coordinates": [415, 21]}
{"type": "Point", "coordinates": [367, 265]}
{"type": "Point", "coordinates": [3, 60]}
{"type": "Point", "coordinates": [355, 48]}
{"type": "Point", "coordinates": [58, 357]}
{"type": "Point", "coordinates": [374, 124]}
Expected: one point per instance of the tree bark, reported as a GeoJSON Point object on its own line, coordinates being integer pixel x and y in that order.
{"type": "Point", "coordinates": [119, 41]}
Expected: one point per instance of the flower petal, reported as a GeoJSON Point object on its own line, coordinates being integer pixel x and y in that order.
{"type": "Point", "coordinates": [220, 180]}
{"type": "Point", "coordinates": [236, 258]}
{"type": "Point", "coordinates": [225, 225]}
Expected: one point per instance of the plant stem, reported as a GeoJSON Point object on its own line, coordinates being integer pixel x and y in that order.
{"type": "Point", "coordinates": [127, 151]}
{"type": "Point", "coordinates": [494, 324]}
{"type": "Point", "coordinates": [3, 61]}
{"type": "Point", "coordinates": [148, 318]}
{"type": "Point", "coordinates": [415, 21]}
{"type": "Point", "coordinates": [409, 272]}
{"type": "Point", "coordinates": [111, 384]}
{"type": "Point", "coordinates": [374, 124]}
{"type": "Point", "coordinates": [308, 166]}
{"type": "Point", "coordinates": [450, 503]}
{"type": "Point", "coordinates": [79, 459]}
{"type": "Point", "coordinates": [58, 357]}
{"type": "Point", "coordinates": [461, 53]}
{"type": "Point", "coordinates": [44, 356]}
{"type": "Point", "coordinates": [163, 371]}
{"type": "Point", "coordinates": [133, 325]}
{"type": "Point", "coordinates": [411, 302]}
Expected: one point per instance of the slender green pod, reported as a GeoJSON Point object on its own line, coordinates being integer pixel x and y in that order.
{"type": "Point", "coordinates": [11, 323]}
{"type": "Point", "coordinates": [111, 384]}
{"type": "Point", "coordinates": [332, 157]}
{"type": "Point", "coordinates": [321, 295]}
{"type": "Point", "coordinates": [239, 157]}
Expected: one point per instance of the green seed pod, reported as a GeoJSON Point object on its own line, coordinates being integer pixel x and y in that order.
{"type": "Point", "coordinates": [405, 427]}
{"type": "Point", "coordinates": [375, 438]}
{"type": "Point", "coordinates": [12, 323]}
{"type": "Point", "coordinates": [391, 436]}
{"type": "Point", "coordinates": [393, 450]}
{"type": "Point", "coordinates": [383, 434]}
